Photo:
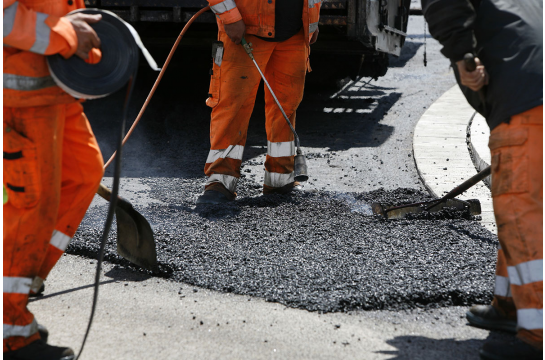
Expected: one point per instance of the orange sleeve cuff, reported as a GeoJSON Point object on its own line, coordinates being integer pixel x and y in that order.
{"type": "Point", "coordinates": [67, 41]}
{"type": "Point", "coordinates": [230, 16]}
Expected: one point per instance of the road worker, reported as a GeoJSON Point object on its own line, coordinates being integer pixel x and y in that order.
{"type": "Point", "coordinates": [507, 37]}
{"type": "Point", "coordinates": [52, 163]}
{"type": "Point", "coordinates": [281, 33]}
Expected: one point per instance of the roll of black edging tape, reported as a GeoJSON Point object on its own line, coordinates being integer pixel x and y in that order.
{"type": "Point", "coordinates": [119, 61]}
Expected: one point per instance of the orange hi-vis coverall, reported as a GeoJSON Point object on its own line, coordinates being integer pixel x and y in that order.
{"type": "Point", "coordinates": [517, 193]}
{"type": "Point", "coordinates": [234, 86]}
{"type": "Point", "coordinates": [52, 163]}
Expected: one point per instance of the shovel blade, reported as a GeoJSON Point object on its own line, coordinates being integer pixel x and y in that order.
{"type": "Point", "coordinates": [135, 241]}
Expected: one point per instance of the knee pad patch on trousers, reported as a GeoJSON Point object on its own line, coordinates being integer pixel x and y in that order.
{"type": "Point", "coordinates": [21, 170]}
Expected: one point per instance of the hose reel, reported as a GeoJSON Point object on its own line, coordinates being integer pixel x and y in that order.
{"type": "Point", "coordinates": [120, 46]}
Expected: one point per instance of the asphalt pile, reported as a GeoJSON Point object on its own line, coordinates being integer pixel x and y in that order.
{"type": "Point", "coordinates": [318, 251]}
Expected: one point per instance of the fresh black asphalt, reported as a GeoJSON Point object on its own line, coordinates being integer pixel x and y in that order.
{"type": "Point", "coordinates": [315, 250]}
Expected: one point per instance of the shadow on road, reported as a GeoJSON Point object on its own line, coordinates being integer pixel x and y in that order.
{"type": "Point", "coordinates": [172, 139]}
{"type": "Point", "coordinates": [421, 347]}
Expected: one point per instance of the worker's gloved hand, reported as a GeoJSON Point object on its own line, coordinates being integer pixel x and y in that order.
{"type": "Point", "coordinates": [235, 31]}
{"type": "Point", "coordinates": [474, 80]}
{"type": "Point", "coordinates": [87, 37]}
{"type": "Point", "coordinates": [314, 36]}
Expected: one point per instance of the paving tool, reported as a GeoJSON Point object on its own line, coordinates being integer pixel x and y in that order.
{"type": "Point", "coordinates": [300, 164]}
{"type": "Point", "coordinates": [474, 205]}
{"type": "Point", "coordinates": [135, 241]}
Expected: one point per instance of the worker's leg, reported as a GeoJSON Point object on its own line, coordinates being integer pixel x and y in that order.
{"type": "Point", "coordinates": [503, 300]}
{"type": "Point", "coordinates": [82, 170]}
{"type": "Point", "coordinates": [286, 73]}
{"type": "Point", "coordinates": [517, 191]}
{"type": "Point", "coordinates": [32, 177]}
{"type": "Point", "coordinates": [233, 88]}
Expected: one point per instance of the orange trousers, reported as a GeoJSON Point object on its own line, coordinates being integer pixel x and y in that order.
{"type": "Point", "coordinates": [517, 193]}
{"type": "Point", "coordinates": [52, 169]}
{"type": "Point", "coordinates": [233, 89]}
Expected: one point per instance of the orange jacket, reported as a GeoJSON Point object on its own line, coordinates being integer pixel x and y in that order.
{"type": "Point", "coordinates": [258, 16]}
{"type": "Point", "coordinates": [32, 30]}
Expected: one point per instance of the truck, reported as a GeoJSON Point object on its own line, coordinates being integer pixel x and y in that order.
{"type": "Point", "coordinates": [356, 36]}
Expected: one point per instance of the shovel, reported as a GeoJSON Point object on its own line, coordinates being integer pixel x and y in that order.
{"type": "Point", "coordinates": [135, 240]}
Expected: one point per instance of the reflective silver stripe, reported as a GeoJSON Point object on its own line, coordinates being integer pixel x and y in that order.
{"type": "Point", "coordinates": [502, 286]}
{"type": "Point", "coordinates": [223, 6]}
{"type": "Point", "coordinates": [42, 34]}
{"type": "Point", "coordinates": [278, 180]}
{"type": "Point", "coordinates": [36, 284]}
{"type": "Point", "coordinates": [17, 285]}
{"type": "Point", "coordinates": [311, 3]}
{"type": "Point", "coordinates": [27, 83]}
{"type": "Point", "coordinates": [230, 182]}
{"type": "Point", "coordinates": [19, 330]}
{"type": "Point", "coordinates": [233, 152]}
{"type": "Point", "coordinates": [527, 272]}
{"type": "Point", "coordinates": [60, 240]}
{"type": "Point", "coordinates": [280, 149]}
{"type": "Point", "coordinates": [9, 18]}
{"type": "Point", "coordinates": [530, 319]}
{"type": "Point", "coordinates": [312, 27]}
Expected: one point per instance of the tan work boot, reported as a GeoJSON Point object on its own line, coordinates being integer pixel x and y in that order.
{"type": "Point", "coordinates": [487, 317]}
{"type": "Point", "coordinates": [286, 189]}
{"type": "Point", "coordinates": [216, 193]}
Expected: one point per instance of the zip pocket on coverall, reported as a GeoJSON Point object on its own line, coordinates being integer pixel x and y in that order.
{"type": "Point", "coordinates": [509, 162]}
{"type": "Point", "coordinates": [214, 91]}
{"type": "Point", "coordinates": [21, 170]}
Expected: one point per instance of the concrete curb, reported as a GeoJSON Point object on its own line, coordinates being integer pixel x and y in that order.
{"type": "Point", "coordinates": [442, 154]}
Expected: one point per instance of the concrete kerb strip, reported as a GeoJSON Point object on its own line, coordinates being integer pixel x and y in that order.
{"type": "Point", "coordinates": [442, 154]}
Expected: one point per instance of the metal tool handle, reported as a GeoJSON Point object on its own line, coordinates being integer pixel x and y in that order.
{"type": "Point", "coordinates": [467, 184]}
{"type": "Point", "coordinates": [106, 194]}
{"type": "Point", "coordinates": [463, 186]}
{"type": "Point", "coordinates": [471, 65]}
{"type": "Point", "coordinates": [248, 49]}
{"type": "Point", "coordinates": [469, 62]}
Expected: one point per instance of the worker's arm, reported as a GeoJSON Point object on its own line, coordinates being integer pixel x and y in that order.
{"type": "Point", "coordinates": [46, 34]}
{"type": "Point", "coordinates": [451, 23]}
{"type": "Point", "coordinates": [227, 12]}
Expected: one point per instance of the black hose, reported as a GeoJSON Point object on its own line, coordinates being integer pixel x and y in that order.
{"type": "Point", "coordinates": [111, 208]}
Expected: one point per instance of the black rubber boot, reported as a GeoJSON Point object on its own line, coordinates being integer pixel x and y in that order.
{"type": "Point", "coordinates": [511, 350]}
{"type": "Point", "coordinates": [39, 350]}
{"type": "Point", "coordinates": [40, 292]}
{"type": "Point", "coordinates": [213, 197]}
{"type": "Point", "coordinates": [44, 333]}
{"type": "Point", "coordinates": [487, 317]}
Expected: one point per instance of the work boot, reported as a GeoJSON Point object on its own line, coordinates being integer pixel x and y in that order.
{"type": "Point", "coordinates": [216, 193]}
{"type": "Point", "coordinates": [286, 189]}
{"type": "Point", "coordinates": [39, 350]}
{"type": "Point", "coordinates": [40, 291]}
{"type": "Point", "coordinates": [44, 333]}
{"type": "Point", "coordinates": [515, 349]}
{"type": "Point", "coordinates": [487, 317]}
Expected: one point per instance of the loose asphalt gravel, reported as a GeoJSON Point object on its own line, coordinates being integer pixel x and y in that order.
{"type": "Point", "coordinates": [319, 251]}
